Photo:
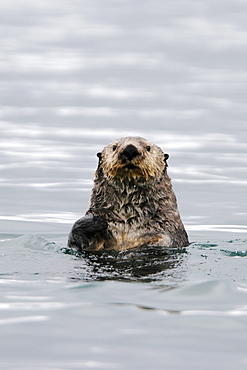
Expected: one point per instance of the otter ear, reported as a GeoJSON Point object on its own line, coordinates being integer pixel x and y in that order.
{"type": "Point", "coordinates": [166, 156]}
{"type": "Point", "coordinates": [99, 155]}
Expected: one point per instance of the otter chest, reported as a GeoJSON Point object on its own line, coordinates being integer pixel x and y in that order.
{"type": "Point", "coordinates": [129, 227]}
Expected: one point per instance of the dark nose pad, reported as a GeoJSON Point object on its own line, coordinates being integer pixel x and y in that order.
{"type": "Point", "coordinates": [130, 152]}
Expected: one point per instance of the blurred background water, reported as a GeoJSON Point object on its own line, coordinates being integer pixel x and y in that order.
{"type": "Point", "coordinates": [76, 75]}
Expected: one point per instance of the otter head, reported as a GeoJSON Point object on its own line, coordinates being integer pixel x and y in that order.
{"type": "Point", "coordinates": [132, 158]}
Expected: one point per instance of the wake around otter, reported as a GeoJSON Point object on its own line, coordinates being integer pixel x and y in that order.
{"type": "Point", "coordinates": [132, 202]}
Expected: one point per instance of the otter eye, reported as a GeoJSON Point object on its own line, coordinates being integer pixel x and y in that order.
{"type": "Point", "coordinates": [148, 148]}
{"type": "Point", "coordinates": [114, 147]}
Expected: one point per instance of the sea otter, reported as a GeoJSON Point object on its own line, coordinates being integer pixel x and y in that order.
{"type": "Point", "coordinates": [132, 202]}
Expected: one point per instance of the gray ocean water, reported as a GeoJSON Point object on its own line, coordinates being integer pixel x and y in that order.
{"type": "Point", "coordinates": [76, 75]}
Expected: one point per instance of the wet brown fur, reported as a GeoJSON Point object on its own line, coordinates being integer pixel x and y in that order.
{"type": "Point", "coordinates": [135, 198]}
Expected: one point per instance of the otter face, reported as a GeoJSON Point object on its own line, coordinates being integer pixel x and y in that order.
{"type": "Point", "coordinates": [132, 158]}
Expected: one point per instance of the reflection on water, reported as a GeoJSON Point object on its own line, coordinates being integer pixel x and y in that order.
{"type": "Point", "coordinates": [147, 264]}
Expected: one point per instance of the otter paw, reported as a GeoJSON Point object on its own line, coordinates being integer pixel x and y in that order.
{"type": "Point", "coordinates": [90, 224]}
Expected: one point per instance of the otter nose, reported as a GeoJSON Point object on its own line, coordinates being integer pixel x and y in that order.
{"type": "Point", "coordinates": [130, 152]}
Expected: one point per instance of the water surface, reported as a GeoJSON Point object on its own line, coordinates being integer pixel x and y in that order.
{"type": "Point", "coordinates": [74, 77]}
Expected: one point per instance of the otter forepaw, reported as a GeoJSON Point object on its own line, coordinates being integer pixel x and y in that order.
{"type": "Point", "coordinates": [85, 229]}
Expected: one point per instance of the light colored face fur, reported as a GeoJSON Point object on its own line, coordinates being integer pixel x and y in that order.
{"type": "Point", "coordinates": [148, 161]}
